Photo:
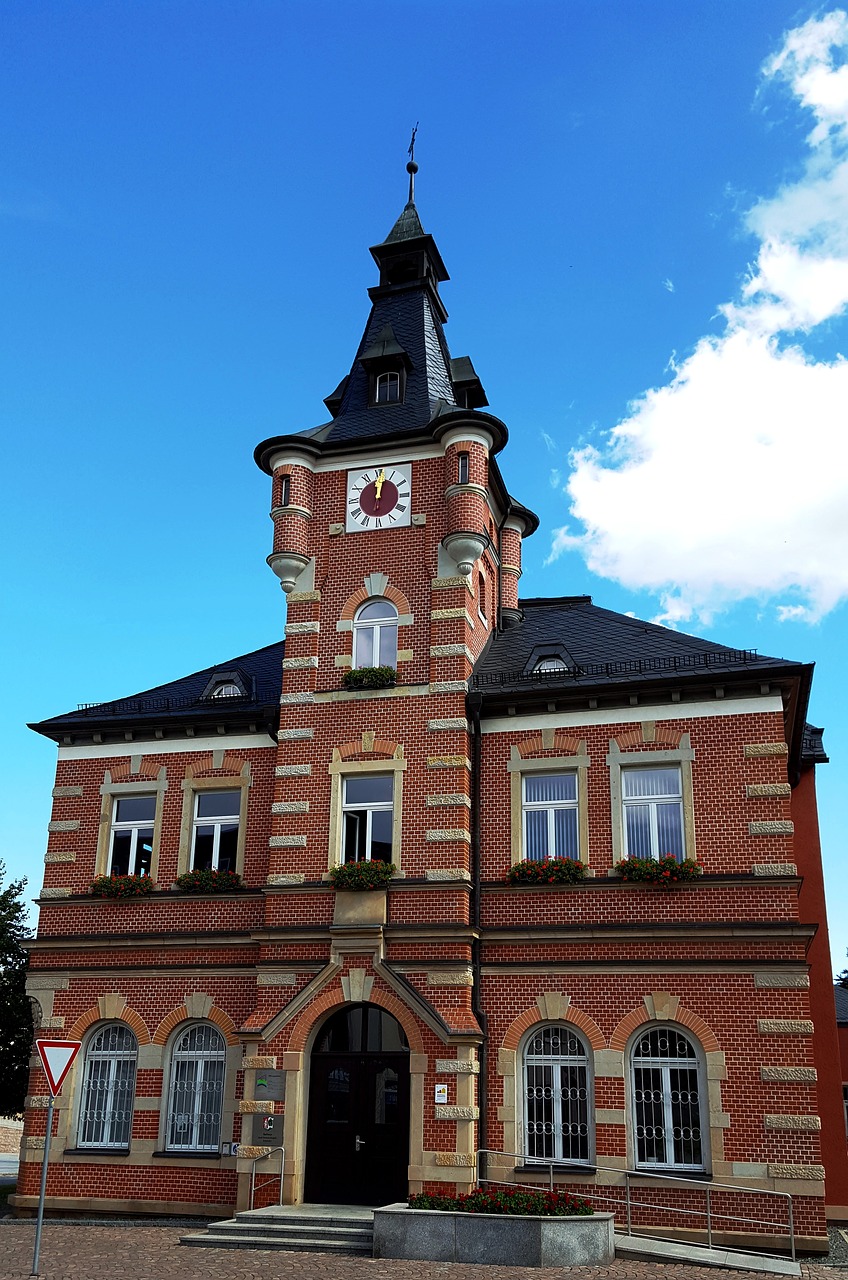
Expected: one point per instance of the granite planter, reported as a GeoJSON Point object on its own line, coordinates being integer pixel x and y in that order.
{"type": "Point", "coordinates": [435, 1235]}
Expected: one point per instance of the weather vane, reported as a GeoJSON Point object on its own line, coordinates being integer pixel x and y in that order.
{"type": "Point", "coordinates": [412, 167]}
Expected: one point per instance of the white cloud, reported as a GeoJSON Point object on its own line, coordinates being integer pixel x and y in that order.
{"type": "Point", "coordinates": [731, 481]}
{"type": "Point", "coordinates": [550, 443]}
{"type": "Point", "coordinates": [668, 284]}
{"type": "Point", "coordinates": [555, 478]}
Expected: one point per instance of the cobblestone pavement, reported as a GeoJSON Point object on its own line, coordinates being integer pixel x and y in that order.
{"type": "Point", "coordinates": [74, 1252]}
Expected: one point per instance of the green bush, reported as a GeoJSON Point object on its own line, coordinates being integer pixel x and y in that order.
{"type": "Point", "coordinates": [520, 1201]}
{"type": "Point", "coordinates": [122, 886]}
{"type": "Point", "coordinates": [664, 872]}
{"type": "Point", "coordinates": [208, 881]}
{"type": "Point", "coordinates": [362, 875]}
{"type": "Point", "coordinates": [551, 871]}
{"type": "Point", "coordinates": [369, 678]}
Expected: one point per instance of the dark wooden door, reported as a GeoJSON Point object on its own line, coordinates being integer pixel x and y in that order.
{"type": "Point", "coordinates": [357, 1146]}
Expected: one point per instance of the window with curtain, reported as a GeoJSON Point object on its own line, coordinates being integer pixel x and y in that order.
{"type": "Point", "coordinates": [665, 1081]}
{"type": "Point", "coordinates": [196, 1092]}
{"type": "Point", "coordinates": [558, 1104]}
{"type": "Point", "coordinates": [652, 800]}
{"type": "Point", "coordinates": [549, 816]}
{"type": "Point", "coordinates": [108, 1089]}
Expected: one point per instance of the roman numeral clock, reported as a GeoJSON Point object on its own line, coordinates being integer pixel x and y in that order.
{"type": "Point", "coordinates": [379, 497]}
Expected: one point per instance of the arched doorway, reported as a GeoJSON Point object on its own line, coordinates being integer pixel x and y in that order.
{"type": "Point", "coordinates": [357, 1138]}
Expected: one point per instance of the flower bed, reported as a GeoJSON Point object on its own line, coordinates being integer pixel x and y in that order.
{"type": "Point", "coordinates": [514, 1200]}
{"type": "Point", "coordinates": [362, 875]}
{"type": "Point", "coordinates": [122, 886]}
{"type": "Point", "coordinates": [664, 872]}
{"type": "Point", "coordinates": [551, 871]}
{"type": "Point", "coordinates": [208, 881]}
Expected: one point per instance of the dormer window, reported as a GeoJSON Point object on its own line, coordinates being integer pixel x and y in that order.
{"type": "Point", "coordinates": [387, 388]}
{"type": "Point", "coordinates": [551, 663]}
{"type": "Point", "coordinates": [226, 690]}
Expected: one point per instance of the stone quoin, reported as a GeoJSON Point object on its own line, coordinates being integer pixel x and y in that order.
{"type": "Point", "coordinates": [385, 1036]}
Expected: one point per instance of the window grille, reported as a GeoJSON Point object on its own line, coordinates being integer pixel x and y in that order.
{"type": "Point", "coordinates": [557, 1097]}
{"type": "Point", "coordinates": [666, 1101]}
{"type": "Point", "coordinates": [108, 1091]}
{"type": "Point", "coordinates": [197, 1090]}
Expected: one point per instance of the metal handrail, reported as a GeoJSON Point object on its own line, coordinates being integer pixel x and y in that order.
{"type": "Point", "coordinates": [709, 1213]}
{"type": "Point", "coordinates": [255, 1162]}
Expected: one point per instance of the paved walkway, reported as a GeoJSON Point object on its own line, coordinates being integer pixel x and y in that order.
{"type": "Point", "coordinates": [71, 1252]}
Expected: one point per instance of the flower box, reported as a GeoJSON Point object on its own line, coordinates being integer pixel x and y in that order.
{"type": "Point", "coordinates": [362, 876]}
{"type": "Point", "coordinates": [663, 872]}
{"type": "Point", "coordinates": [369, 678]}
{"type": "Point", "coordinates": [208, 881]}
{"type": "Point", "coordinates": [122, 886]}
{"type": "Point", "coordinates": [551, 871]}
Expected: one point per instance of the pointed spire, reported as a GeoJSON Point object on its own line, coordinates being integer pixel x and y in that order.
{"type": "Point", "coordinates": [408, 225]}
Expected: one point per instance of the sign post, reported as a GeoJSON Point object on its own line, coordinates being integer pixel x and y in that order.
{"type": "Point", "coordinates": [57, 1057]}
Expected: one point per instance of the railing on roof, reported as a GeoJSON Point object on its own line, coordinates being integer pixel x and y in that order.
{"type": "Point", "coordinates": [702, 660]}
{"type": "Point", "coordinates": [139, 706]}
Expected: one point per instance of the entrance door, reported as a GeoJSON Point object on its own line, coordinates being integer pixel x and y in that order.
{"type": "Point", "coordinates": [357, 1144]}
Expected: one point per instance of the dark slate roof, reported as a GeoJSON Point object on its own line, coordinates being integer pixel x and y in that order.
{"type": "Point", "coordinates": [183, 700]}
{"type": "Point", "coordinates": [407, 227]}
{"type": "Point", "coordinates": [840, 995]}
{"type": "Point", "coordinates": [601, 647]}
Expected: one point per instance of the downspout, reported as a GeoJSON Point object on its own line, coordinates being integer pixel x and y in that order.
{"type": "Point", "coordinates": [475, 702]}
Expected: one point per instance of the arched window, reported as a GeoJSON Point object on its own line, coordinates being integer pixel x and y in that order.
{"type": "Point", "coordinates": [375, 633]}
{"type": "Point", "coordinates": [108, 1090]}
{"type": "Point", "coordinates": [665, 1071]}
{"type": "Point", "coordinates": [196, 1091]}
{"type": "Point", "coordinates": [551, 663]}
{"type": "Point", "coordinates": [387, 388]}
{"type": "Point", "coordinates": [558, 1106]}
{"type": "Point", "coordinates": [226, 690]}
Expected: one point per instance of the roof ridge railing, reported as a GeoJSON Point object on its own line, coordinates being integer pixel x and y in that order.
{"type": "Point", "coordinates": [132, 706]}
{"type": "Point", "coordinates": [628, 666]}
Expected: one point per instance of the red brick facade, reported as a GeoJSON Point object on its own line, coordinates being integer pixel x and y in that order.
{"type": "Point", "coordinates": [467, 964]}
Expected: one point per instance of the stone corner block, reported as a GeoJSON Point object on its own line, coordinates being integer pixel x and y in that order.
{"type": "Point", "coordinates": [254, 1107]}
{"type": "Point", "coordinates": [448, 1112]}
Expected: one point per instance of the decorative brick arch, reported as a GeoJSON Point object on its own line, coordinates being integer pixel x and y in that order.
{"type": "Point", "coordinates": [668, 1010]}
{"type": "Point", "coordinates": [534, 745]}
{"type": "Point", "coordinates": [334, 999]}
{"type": "Point", "coordinates": [232, 766]}
{"type": "Point", "coordinates": [358, 597]}
{"type": "Point", "coordinates": [148, 771]}
{"type": "Point", "coordinates": [534, 1016]}
{"type": "Point", "coordinates": [378, 747]}
{"type": "Point", "coordinates": [133, 1020]}
{"type": "Point", "coordinates": [664, 736]}
{"type": "Point", "coordinates": [183, 1014]}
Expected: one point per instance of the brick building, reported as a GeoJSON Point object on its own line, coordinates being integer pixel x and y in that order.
{"type": "Point", "coordinates": [384, 1038]}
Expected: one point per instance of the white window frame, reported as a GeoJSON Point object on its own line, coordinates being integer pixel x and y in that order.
{"type": "Point", "coordinates": [665, 1066]}
{"type": "Point", "coordinates": [217, 823]}
{"type": "Point", "coordinates": [226, 689]}
{"type": "Point", "coordinates": [107, 1088]}
{"type": "Point", "coordinates": [134, 827]}
{"type": "Point", "coordinates": [651, 803]}
{"type": "Point", "coordinates": [551, 662]}
{"type": "Point", "coordinates": [557, 1062]}
{"type": "Point", "coordinates": [389, 378]}
{"type": "Point", "coordinates": [550, 807]}
{"type": "Point", "coordinates": [203, 1060]}
{"type": "Point", "coordinates": [376, 626]}
{"type": "Point", "coordinates": [369, 808]}
{"type": "Point", "coordinates": [519, 766]}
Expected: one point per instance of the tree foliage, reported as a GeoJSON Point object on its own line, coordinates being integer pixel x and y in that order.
{"type": "Point", "coordinates": [15, 1009]}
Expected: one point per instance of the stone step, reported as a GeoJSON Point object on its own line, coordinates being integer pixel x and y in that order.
{"type": "Point", "coordinates": [650, 1249]}
{"type": "Point", "coordinates": [294, 1243]}
{"type": "Point", "coordinates": [299, 1227]}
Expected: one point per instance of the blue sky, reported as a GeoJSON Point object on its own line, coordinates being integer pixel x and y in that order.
{"type": "Point", "coordinates": [643, 208]}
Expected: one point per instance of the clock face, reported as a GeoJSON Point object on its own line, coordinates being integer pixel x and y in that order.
{"type": "Point", "coordinates": [379, 497]}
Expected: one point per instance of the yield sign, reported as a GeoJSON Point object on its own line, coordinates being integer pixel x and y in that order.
{"type": "Point", "coordinates": [56, 1059]}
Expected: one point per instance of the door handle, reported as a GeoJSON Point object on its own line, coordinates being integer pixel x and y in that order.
{"type": "Point", "coordinates": [359, 1142]}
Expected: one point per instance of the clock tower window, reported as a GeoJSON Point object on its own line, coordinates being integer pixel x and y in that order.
{"type": "Point", "coordinates": [387, 388]}
{"type": "Point", "coordinates": [375, 635]}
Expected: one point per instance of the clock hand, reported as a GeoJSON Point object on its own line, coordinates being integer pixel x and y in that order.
{"type": "Point", "coordinates": [378, 484]}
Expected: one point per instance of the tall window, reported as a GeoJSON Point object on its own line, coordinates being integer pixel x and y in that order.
{"type": "Point", "coordinates": [131, 843]}
{"type": "Point", "coordinates": [387, 388]}
{"type": "Point", "coordinates": [285, 490]}
{"type": "Point", "coordinates": [462, 468]}
{"type": "Point", "coordinates": [216, 829]}
{"type": "Point", "coordinates": [653, 812]}
{"type": "Point", "coordinates": [367, 815]}
{"type": "Point", "coordinates": [557, 1097]}
{"type": "Point", "coordinates": [108, 1090]}
{"type": "Point", "coordinates": [375, 635]}
{"type": "Point", "coordinates": [665, 1075]}
{"type": "Point", "coordinates": [196, 1092]}
{"type": "Point", "coordinates": [550, 816]}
